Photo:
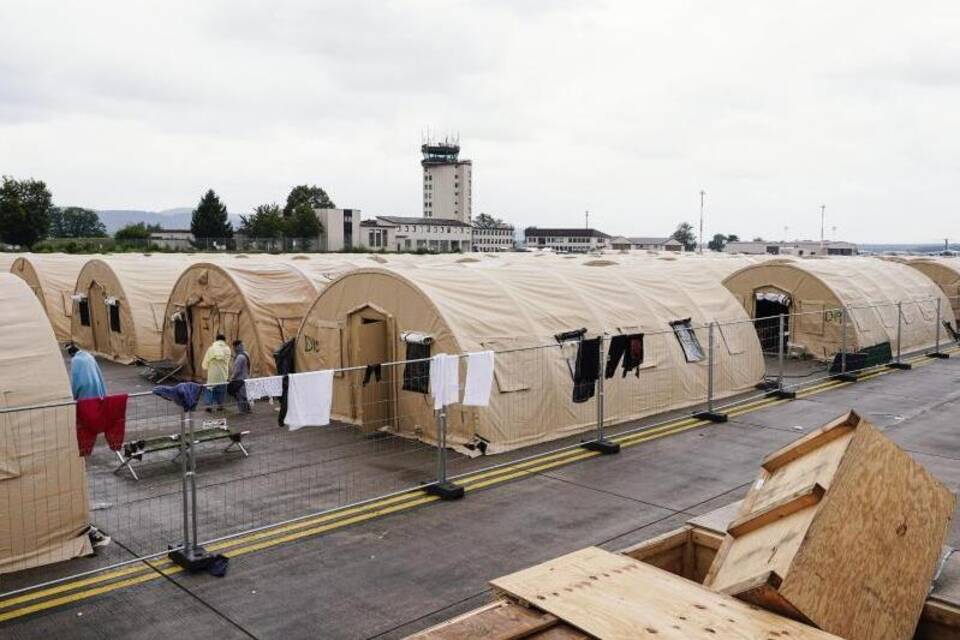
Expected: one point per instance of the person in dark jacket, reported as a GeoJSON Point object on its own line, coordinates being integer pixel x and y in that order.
{"type": "Point", "coordinates": [239, 372]}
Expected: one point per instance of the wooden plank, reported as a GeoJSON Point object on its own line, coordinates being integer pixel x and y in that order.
{"type": "Point", "coordinates": [813, 440]}
{"type": "Point", "coordinates": [611, 596]}
{"type": "Point", "coordinates": [940, 621]}
{"type": "Point", "coordinates": [500, 620]}
{"type": "Point", "coordinates": [716, 520]}
{"type": "Point", "coordinates": [782, 508]}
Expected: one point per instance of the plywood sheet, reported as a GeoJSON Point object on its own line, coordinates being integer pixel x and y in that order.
{"type": "Point", "coordinates": [612, 596]}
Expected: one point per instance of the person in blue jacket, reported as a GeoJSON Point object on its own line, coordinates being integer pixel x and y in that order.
{"type": "Point", "coordinates": [86, 379]}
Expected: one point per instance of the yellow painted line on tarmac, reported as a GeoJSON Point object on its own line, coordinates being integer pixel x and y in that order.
{"type": "Point", "coordinates": [309, 527]}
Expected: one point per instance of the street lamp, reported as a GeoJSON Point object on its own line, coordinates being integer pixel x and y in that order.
{"type": "Point", "coordinates": [823, 209]}
{"type": "Point", "coordinates": [702, 193]}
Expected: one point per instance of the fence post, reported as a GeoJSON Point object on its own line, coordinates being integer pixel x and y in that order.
{"type": "Point", "coordinates": [843, 375]}
{"type": "Point", "coordinates": [936, 349]}
{"type": "Point", "coordinates": [191, 556]}
{"type": "Point", "coordinates": [781, 391]}
{"type": "Point", "coordinates": [443, 488]}
{"type": "Point", "coordinates": [710, 414]}
{"type": "Point", "coordinates": [898, 362]}
{"type": "Point", "coordinates": [601, 444]}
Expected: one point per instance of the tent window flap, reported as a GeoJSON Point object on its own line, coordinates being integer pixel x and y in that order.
{"type": "Point", "coordinates": [416, 375]}
{"type": "Point", "coordinates": [688, 340]}
{"type": "Point", "coordinates": [180, 333]}
{"type": "Point", "coordinates": [83, 306]}
{"type": "Point", "coordinates": [114, 318]}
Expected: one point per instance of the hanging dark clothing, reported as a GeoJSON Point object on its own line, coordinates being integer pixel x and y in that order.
{"type": "Point", "coordinates": [587, 370]}
{"type": "Point", "coordinates": [628, 347]}
{"type": "Point", "coordinates": [283, 356]}
{"type": "Point", "coordinates": [186, 394]}
{"type": "Point", "coordinates": [372, 371]}
{"type": "Point", "coordinates": [283, 401]}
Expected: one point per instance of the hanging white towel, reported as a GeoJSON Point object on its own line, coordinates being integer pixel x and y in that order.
{"type": "Point", "coordinates": [257, 388]}
{"type": "Point", "coordinates": [309, 396]}
{"type": "Point", "coordinates": [444, 379]}
{"type": "Point", "coordinates": [476, 389]}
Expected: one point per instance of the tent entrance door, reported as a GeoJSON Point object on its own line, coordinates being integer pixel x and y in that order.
{"type": "Point", "coordinates": [373, 399]}
{"type": "Point", "coordinates": [99, 318]}
{"type": "Point", "coordinates": [769, 308]}
{"type": "Point", "coordinates": [203, 329]}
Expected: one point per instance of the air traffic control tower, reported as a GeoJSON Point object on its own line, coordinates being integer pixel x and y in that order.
{"type": "Point", "coordinates": [447, 182]}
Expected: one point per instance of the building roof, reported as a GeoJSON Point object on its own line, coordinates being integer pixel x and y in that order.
{"type": "Point", "coordinates": [577, 232]}
{"type": "Point", "coordinates": [643, 240]}
{"type": "Point", "coordinates": [445, 222]}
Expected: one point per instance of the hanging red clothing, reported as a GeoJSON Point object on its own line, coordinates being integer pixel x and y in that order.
{"type": "Point", "coordinates": [107, 415]}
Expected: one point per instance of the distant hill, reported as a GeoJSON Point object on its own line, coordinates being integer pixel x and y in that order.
{"type": "Point", "coordinates": [178, 218]}
{"type": "Point", "coordinates": [907, 248]}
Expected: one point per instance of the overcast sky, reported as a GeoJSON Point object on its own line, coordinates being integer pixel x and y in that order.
{"type": "Point", "coordinates": [627, 109]}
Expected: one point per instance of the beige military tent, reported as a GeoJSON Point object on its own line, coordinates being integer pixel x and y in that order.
{"type": "Point", "coordinates": [43, 484]}
{"type": "Point", "coordinates": [259, 302]}
{"type": "Point", "coordinates": [945, 272]}
{"type": "Point", "coordinates": [811, 293]}
{"type": "Point", "coordinates": [119, 304]}
{"type": "Point", "coordinates": [53, 278]}
{"type": "Point", "coordinates": [374, 315]}
{"type": "Point", "coordinates": [7, 259]}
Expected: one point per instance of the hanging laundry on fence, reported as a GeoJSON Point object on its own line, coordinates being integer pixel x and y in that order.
{"type": "Point", "coordinates": [476, 389]}
{"type": "Point", "coordinates": [444, 379]}
{"type": "Point", "coordinates": [373, 371]}
{"type": "Point", "coordinates": [107, 415]}
{"type": "Point", "coordinates": [629, 347]}
{"type": "Point", "coordinates": [587, 370]}
{"type": "Point", "coordinates": [258, 388]}
{"type": "Point", "coordinates": [186, 395]}
{"type": "Point", "coordinates": [309, 398]}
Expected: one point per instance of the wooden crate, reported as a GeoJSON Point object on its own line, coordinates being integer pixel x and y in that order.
{"type": "Point", "coordinates": [611, 596]}
{"type": "Point", "coordinates": [842, 530]}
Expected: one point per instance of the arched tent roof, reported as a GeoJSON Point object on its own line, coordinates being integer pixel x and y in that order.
{"type": "Point", "coordinates": [869, 289]}
{"type": "Point", "coordinates": [44, 514]}
{"type": "Point", "coordinates": [7, 259]}
{"type": "Point", "coordinates": [52, 277]}
{"type": "Point", "coordinates": [138, 289]}
{"type": "Point", "coordinates": [945, 272]}
{"type": "Point", "coordinates": [259, 302]}
{"type": "Point", "coordinates": [515, 310]}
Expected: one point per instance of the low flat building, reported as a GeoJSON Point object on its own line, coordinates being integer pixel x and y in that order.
{"type": "Point", "coordinates": [341, 229]}
{"type": "Point", "coordinates": [488, 239]}
{"type": "Point", "coordinates": [573, 240]}
{"type": "Point", "coordinates": [397, 233]}
{"type": "Point", "coordinates": [172, 239]}
{"type": "Point", "coordinates": [646, 244]}
{"type": "Point", "coordinates": [794, 248]}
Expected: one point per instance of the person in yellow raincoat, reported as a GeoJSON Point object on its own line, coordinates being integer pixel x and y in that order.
{"type": "Point", "coordinates": [216, 362]}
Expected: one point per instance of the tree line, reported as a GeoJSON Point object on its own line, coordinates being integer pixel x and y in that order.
{"type": "Point", "coordinates": [686, 236]}
{"type": "Point", "coordinates": [28, 216]}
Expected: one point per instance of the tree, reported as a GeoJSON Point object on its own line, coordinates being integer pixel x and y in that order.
{"type": "Point", "coordinates": [24, 211]}
{"type": "Point", "coordinates": [758, 239]}
{"type": "Point", "coordinates": [75, 222]}
{"type": "Point", "coordinates": [210, 218]}
{"type": "Point", "coordinates": [303, 222]}
{"type": "Point", "coordinates": [266, 221]}
{"type": "Point", "coordinates": [136, 232]}
{"type": "Point", "coordinates": [685, 236]}
{"type": "Point", "coordinates": [718, 242]}
{"type": "Point", "coordinates": [733, 238]}
{"type": "Point", "coordinates": [313, 195]}
{"type": "Point", "coordinates": [487, 221]}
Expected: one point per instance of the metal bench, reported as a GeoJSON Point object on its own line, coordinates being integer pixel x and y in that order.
{"type": "Point", "coordinates": [210, 431]}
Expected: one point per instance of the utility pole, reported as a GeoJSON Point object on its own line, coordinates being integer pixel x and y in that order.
{"type": "Point", "coordinates": [823, 209]}
{"type": "Point", "coordinates": [702, 193]}
{"type": "Point", "coordinates": [586, 216]}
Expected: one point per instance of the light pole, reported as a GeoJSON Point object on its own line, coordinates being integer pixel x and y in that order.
{"type": "Point", "coordinates": [702, 193]}
{"type": "Point", "coordinates": [823, 209]}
